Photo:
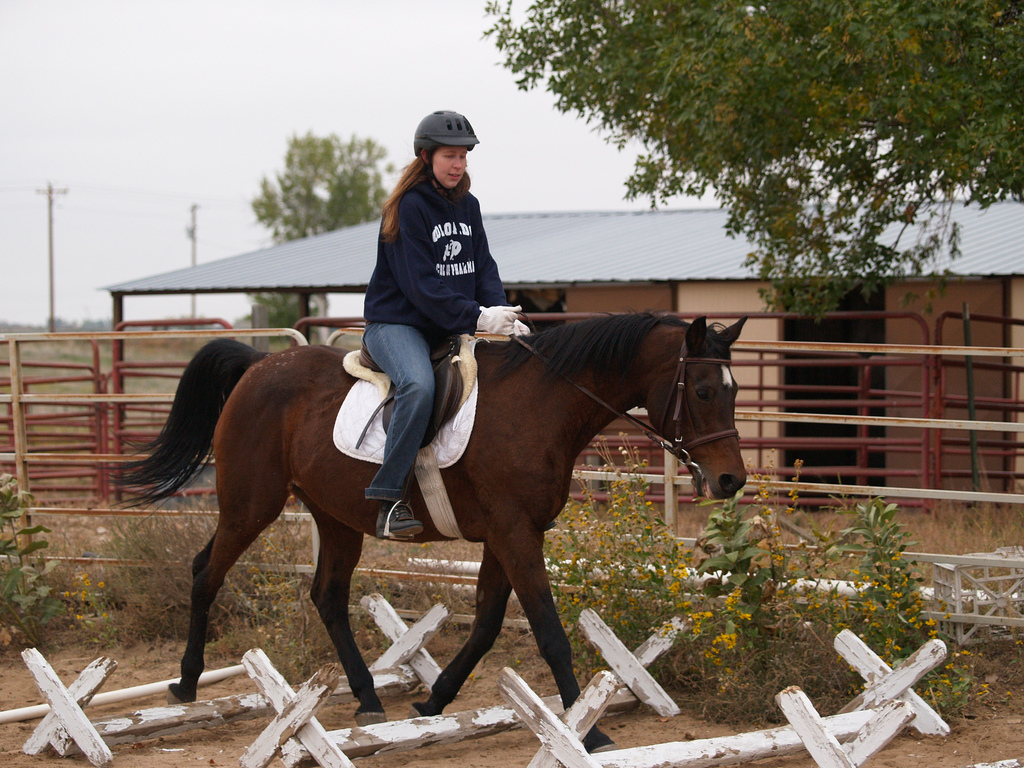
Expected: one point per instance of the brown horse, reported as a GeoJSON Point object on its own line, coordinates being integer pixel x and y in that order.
{"type": "Point", "coordinates": [269, 419]}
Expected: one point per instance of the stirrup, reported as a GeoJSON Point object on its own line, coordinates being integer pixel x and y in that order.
{"type": "Point", "coordinates": [396, 521]}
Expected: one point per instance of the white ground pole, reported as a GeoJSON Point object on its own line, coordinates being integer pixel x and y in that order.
{"type": "Point", "coordinates": [123, 694]}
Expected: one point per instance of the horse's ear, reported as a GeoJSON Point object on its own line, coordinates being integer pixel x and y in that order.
{"type": "Point", "coordinates": [730, 334]}
{"type": "Point", "coordinates": [696, 335]}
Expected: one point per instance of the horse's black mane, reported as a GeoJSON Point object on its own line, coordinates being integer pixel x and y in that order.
{"type": "Point", "coordinates": [607, 344]}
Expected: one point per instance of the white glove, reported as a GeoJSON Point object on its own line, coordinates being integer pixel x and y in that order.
{"type": "Point", "coordinates": [497, 320]}
{"type": "Point", "coordinates": [519, 328]}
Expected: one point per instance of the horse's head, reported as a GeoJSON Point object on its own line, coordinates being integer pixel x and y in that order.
{"type": "Point", "coordinates": [697, 410]}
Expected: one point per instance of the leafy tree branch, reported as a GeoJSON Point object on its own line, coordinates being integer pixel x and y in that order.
{"type": "Point", "coordinates": [831, 131]}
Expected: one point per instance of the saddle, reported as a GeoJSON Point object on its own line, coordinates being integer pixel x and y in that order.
{"type": "Point", "coordinates": [448, 387]}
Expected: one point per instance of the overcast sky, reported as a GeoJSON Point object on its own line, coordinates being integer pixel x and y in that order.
{"type": "Point", "coordinates": [141, 109]}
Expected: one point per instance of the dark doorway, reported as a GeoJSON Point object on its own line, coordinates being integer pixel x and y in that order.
{"type": "Point", "coordinates": [837, 383]}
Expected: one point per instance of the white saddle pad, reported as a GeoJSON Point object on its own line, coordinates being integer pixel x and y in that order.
{"type": "Point", "coordinates": [364, 396]}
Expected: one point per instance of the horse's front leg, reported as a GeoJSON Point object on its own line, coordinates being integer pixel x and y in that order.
{"type": "Point", "coordinates": [492, 593]}
{"type": "Point", "coordinates": [340, 548]}
{"type": "Point", "coordinates": [524, 563]}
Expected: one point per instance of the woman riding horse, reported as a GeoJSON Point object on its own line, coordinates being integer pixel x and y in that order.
{"type": "Point", "coordinates": [270, 420]}
{"type": "Point", "coordinates": [434, 278]}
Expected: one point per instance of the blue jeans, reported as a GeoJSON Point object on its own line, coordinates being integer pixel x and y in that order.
{"type": "Point", "coordinates": [404, 355]}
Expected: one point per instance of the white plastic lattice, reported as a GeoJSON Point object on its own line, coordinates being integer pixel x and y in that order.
{"type": "Point", "coordinates": [975, 597]}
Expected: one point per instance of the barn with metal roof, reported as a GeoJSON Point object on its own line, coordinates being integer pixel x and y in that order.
{"type": "Point", "coordinates": [535, 250]}
{"type": "Point", "coordinates": [671, 259]}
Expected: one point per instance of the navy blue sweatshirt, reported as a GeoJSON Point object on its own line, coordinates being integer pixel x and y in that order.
{"type": "Point", "coordinates": [439, 272]}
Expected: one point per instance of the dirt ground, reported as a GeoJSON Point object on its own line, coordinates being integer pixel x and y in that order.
{"type": "Point", "coordinates": [990, 735]}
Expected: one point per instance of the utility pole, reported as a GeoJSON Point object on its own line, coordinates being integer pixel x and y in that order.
{"type": "Point", "coordinates": [50, 192]}
{"type": "Point", "coordinates": [191, 232]}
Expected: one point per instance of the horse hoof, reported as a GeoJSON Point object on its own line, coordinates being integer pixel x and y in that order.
{"type": "Point", "coordinates": [598, 741]}
{"type": "Point", "coordinates": [176, 695]}
{"type": "Point", "coordinates": [364, 719]}
{"type": "Point", "coordinates": [419, 709]}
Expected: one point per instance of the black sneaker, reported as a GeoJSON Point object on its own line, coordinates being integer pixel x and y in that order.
{"type": "Point", "coordinates": [396, 521]}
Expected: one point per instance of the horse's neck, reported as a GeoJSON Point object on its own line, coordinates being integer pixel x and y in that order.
{"type": "Point", "coordinates": [609, 398]}
{"type": "Point", "coordinates": [558, 407]}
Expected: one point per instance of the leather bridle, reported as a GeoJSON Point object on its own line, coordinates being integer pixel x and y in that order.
{"type": "Point", "coordinates": [682, 407]}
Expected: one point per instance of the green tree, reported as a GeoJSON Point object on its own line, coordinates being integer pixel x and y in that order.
{"type": "Point", "coordinates": [283, 309]}
{"type": "Point", "coordinates": [837, 134]}
{"type": "Point", "coordinates": [326, 184]}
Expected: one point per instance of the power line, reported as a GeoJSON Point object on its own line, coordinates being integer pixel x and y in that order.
{"type": "Point", "coordinates": [152, 193]}
{"type": "Point", "coordinates": [50, 193]}
{"type": "Point", "coordinates": [108, 190]}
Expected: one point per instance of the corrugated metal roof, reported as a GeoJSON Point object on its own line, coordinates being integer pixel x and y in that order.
{"type": "Point", "coordinates": [560, 248]}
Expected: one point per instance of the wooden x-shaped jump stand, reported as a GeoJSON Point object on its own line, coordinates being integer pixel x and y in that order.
{"type": "Point", "coordinates": [888, 691]}
{"type": "Point", "coordinates": [560, 735]}
{"type": "Point", "coordinates": [871, 720]}
{"type": "Point", "coordinates": [631, 668]}
{"type": "Point", "coordinates": [884, 683]}
{"type": "Point", "coordinates": [824, 747]}
{"type": "Point", "coordinates": [407, 642]}
{"type": "Point", "coordinates": [296, 712]}
{"type": "Point", "coordinates": [66, 722]}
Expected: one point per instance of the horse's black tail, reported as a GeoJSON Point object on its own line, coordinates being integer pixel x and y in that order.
{"type": "Point", "coordinates": [182, 448]}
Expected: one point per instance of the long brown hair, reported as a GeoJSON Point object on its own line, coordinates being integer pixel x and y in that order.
{"type": "Point", "coordinates": [414, 173]}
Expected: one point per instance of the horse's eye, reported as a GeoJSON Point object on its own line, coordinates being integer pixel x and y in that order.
{"type": "Point", "coordinates": [704, 393]}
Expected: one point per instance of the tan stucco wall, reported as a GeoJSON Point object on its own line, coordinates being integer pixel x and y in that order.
{"type": "Point", "coordinates": [618, 299]}
{"type": "Point", "coordinates": [983, 297]}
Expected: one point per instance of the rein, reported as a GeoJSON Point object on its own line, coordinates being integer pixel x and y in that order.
{"type": "Point", "coordinates": [681, 452]}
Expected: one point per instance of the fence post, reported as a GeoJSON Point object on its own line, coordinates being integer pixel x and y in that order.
{"type": "Point", "coordinates": [18, 416]}
{"type": "Point", "coordinates": [671, 495]}
{"type": "Point", "coordinates": [261, 319]}
{"type": "Point", "coordinates": [969, 372]}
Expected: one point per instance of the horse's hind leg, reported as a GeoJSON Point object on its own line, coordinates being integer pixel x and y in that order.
{"type": "Point", "coordinates": [232, 537]}
{"type": "Point", "coordinates": [492, 593]}
{"type": "Point", "coordinates": [340, 548]}
{"type": "Point", "coordinates": [192, 663]}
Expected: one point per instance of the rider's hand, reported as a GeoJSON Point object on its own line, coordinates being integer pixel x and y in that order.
{"type": "Point", "coordinates": [497, 320]}
{"type": "Point", "coordinates": [519, 328]}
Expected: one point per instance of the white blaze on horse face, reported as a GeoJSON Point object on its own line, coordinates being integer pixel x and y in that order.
{"type": "Point", "coordinates": [727, 377]}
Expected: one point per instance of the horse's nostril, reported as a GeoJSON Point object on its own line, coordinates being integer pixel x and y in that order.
{"type": "Point", "coordinates": [730, 483]}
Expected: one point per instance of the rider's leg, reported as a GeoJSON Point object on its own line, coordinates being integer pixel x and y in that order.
{"type": "Point", "coordinates": [404, 355]}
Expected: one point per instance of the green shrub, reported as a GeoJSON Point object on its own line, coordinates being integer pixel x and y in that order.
{"type": "Point", "coordinates": [762, 613]}
{"type": "Point", "coordinates": [622, 563]}
{"type": "Point", "coordinates": [25, 597]}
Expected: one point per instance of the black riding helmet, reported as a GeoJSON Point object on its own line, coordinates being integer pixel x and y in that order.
{"type": "Point", "coordinates": [444, 128]}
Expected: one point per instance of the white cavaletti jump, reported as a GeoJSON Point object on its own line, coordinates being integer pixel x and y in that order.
{"type": "Point", "coordinates": [634, 687]}
{"type": "Point", "coordinates": [66, 729]}
{"type": "Point", "coordinates": [871, 720]}
{"type": "Point", "coordinates": [294, 735]}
